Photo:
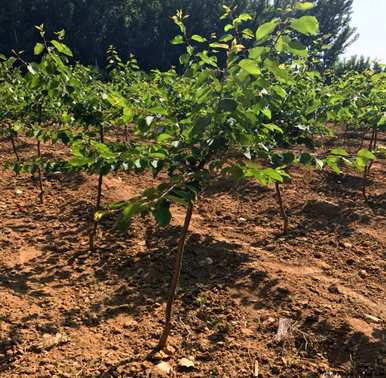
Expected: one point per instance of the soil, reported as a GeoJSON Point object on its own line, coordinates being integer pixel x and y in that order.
{"type": "Point", "coordinates": [66, 312]}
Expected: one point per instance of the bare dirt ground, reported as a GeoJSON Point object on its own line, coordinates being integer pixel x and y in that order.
{"type": "Point", "coordinates": [65, 312]}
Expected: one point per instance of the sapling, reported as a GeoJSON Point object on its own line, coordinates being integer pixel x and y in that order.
{"type": "Point", "coordinates": [221, 121]}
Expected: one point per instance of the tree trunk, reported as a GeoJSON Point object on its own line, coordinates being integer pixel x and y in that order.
{"type": "Point", "coordinates": [372, 146]}
{"type": "Point", "coordinates": [362, 139]}
{"type": "Point", "coordinates": [364, 184]}
{"type": "Point", "coordinates": [41, 194]}
{"type": "Point", "coordinates": [175, 280]}
{"type": "Point", "coordinates": [282, 209]}
{"type": "Point", "coordinates": [126, 133]}
{"type": "Point", "coordinates": [12, 139]}
{"type": "Point", "coordinates": [94, 223]}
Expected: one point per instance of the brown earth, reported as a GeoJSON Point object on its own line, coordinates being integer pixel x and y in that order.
{"type": "Point", "coordinates": [65, 312]}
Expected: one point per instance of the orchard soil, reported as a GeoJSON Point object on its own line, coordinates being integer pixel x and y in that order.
{"type": "Point", "coordinates": [66, 312]}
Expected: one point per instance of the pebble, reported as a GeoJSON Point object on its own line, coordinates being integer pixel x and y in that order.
{"type": "Point", "coordinates": [162, 369]}
{"type": "Point", "coordinates": [362, 273]}
{"type": "Point", "coordinates": [334, 289]}
{"type": "Point", "coordinates": [372, 318]}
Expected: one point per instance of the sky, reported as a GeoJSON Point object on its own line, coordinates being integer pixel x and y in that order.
{"type": "Point", "coordinates": [369, 17]}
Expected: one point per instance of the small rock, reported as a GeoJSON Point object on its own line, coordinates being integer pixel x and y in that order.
{"type": "Point", "coordinates": [162, 369]}
{"type": "Point", "coordinates": [159, 356]}
{"type": "Point", "coordinates": [247, 332]}
{"type": "Point", "coordinates": [209, 261]}
{"type": "Point", "coordinates": [346, 245]}
{"type": "Point", "coordinates": [130, 324]}
{"type": "Point", "coordinates": [362, 273]}
{"type": "Point", "coordinates": [284, 329]}
{"type": "Point", "coordinates": [185, 363]}
{"type": "Point", "coordinates": [372, 318]}
{"type": "Point", "coordinates": [206, 261]}
{"type": "Point", "coordinates": [324, 265]}
{"type": "Point", "coordinates": [170, 350]}
{"type": "Point", "coordinates": [50, 341]}
{"type": "Point", "coordinates": [333, 289]}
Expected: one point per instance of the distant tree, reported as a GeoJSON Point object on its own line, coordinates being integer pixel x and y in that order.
{"type": "Point", "coordinates": [357, 64]}
{"type": "Point", "coordinates": [143, 27]}
{"type": "Point", "coordinates": [335, 18]}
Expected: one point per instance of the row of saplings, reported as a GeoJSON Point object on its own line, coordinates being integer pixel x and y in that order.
{"type": "Point", "coordinates": [219, 135]}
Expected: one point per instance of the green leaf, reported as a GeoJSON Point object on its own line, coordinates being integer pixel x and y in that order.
{"type": "Point", "coordinates": [273, 127]}
{"type": "Point", "coordinates": [307, 25]}
{"type": "Point", "coordinates": [206, 59]}
{"type": "Point", "coordinates": [273, 174]}
{"type": "Point", "coordinates": [177, 40]}
{"type": "Point", "coordinates": [163, 137]}
{"type": "Point", "coordinates": [39, 48]}
{"type": "Point", "coordinates": [339, 152]}
{"type": "Point", "coordinates": [279, 91]}
{"type": "Point", "coordinates": [267, 112]}
{"type": "Point", "coordinates": [366, 154]}
{"type": "Point", "coordinates": [226, 38]}
{"type": "Point", "coordinates": [247, 33]}
{"type": "Point", "coordinates": [128, 213]}
{"type": "Point", "coordinates": [297, 48]}
{"type": "Point", "coordinates": [250, 66]}
{"type": "Point", "coordinates": [266, 29]}
{"type": "Point", "coordinates": [304, 6]}
{"type": "Point", "coordinates": [104, 151]}
{"type": "Point", "coordinates": [279, 72]}
{"type": "Point", "coordinates": [162, 213]}
{"type": "Point", "coordinates": [216, 45]}
{"type": "Point", "coordinates": [242, 18]}
{"type": "Point", "coordinates": [198, 38]}
{"type": "Point", "coordinates": [62, 48]}
{"type": "Point", "coordinates": [31, 69]}
{"type": "Point", "coordinates": [257, 52]}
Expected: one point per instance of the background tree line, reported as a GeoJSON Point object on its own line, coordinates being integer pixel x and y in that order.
{"type": "Point", "coordinates": [144, 28]}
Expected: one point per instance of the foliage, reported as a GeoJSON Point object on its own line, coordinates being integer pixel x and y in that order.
{"type": "Point", "coordinates": [142, 27]}
{"type": "Point", "coordinates": [247, 103]}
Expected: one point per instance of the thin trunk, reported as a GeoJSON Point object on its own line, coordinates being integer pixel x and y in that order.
{"type": "Point", "coordinates": [282, 209]}
{"type": "Point", "coordinates": [372, 140]}
{"type": "Point", "coordinates": [12, 139]}
{"type": "Point", "coordinates": [364, 184]}
{"type": "Point", "coordinates": [375, 140]}
{"type": "Point", "coordinates": [97, 208]}
{"type": "Point", "coordinates": [372, 144]}
{"type": "Point", "coordinates": [175, 280]}
{"type": "Point", "coordinates": [373, 147]}
{"type": "Point", "coordinates": [126, 134]}
{"type": "Point", "coordinates": [94, 223]}
{"type": "Point", "coordinates": [345, 133]}
{"type": "Point", "coordinates": [362, 139]}
{"type": "Point", "coordinates": [41, 194]}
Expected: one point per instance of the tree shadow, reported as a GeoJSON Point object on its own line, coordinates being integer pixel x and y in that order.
{"type": "Point", "coordinates": [378, 204]}
{"type": "Point", "coordinates": [362, 354]}
{"type": "Point", "coordinates": [68, 180]}
{"type": "Point", "coordinates": [338, 185]}
{"type": "Point", "coordinates": [244, 190]}
{"type": "Point", "coordinates": [318, 215]}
